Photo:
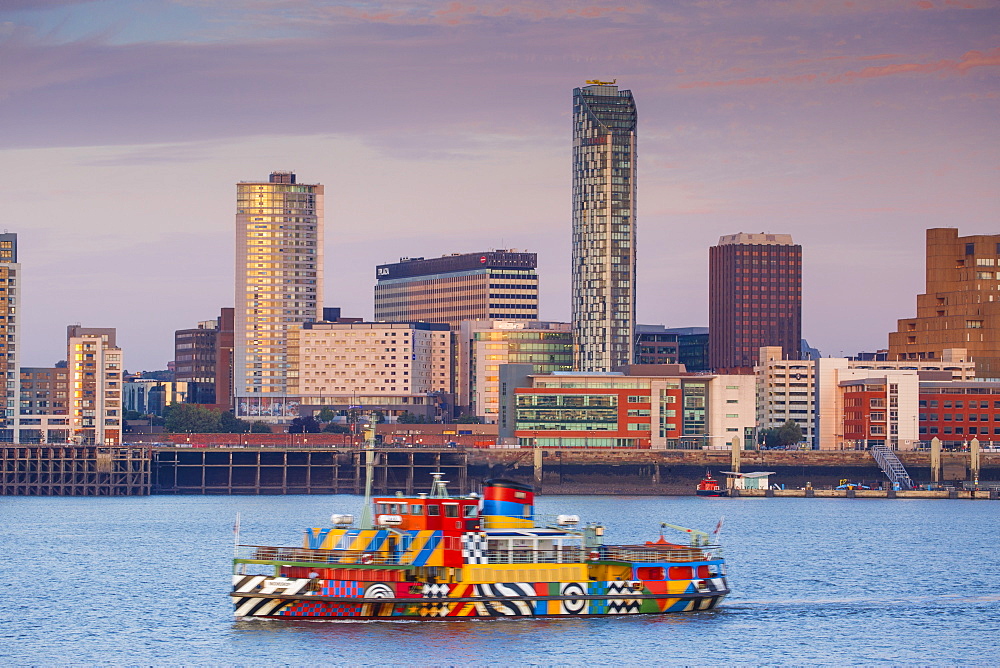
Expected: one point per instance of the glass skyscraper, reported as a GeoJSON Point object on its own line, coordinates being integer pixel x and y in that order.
{"type": "Point", "coordinates": [279, 284]}
{"type": "Point", "coordinates": [604, 170]}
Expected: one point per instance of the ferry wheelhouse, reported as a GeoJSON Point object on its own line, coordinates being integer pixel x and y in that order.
{"type": "Point", "coordinates": [438, 556]}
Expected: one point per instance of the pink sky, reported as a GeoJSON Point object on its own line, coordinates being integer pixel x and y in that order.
{"type": "Point", "coordinates": [442, 127]}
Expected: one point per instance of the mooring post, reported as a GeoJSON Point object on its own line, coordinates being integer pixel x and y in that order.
{"type": "Point", "coordinates": [935, 459]}
{"type": "Point", "coordinates": [537, 461]}
{"type": "Point", "coordinates": [974, 461]}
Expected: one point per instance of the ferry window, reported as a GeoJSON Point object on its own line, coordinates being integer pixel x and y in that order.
{"type": "Point", "coordinates": [451, 510]}
{"type": "Point", "coordinates": [416, 510]}
{"type": "Point", "coordinates": [520, 495]}
{"type": "Point", "coordinates": [471, 511]}
{"type": "Point", "coordinates": [703, 571]}
{"type": "Point", "coordinates": [681, 573]}
{"type": "Point", "coordinates": [651, 573]}
{"type": "Point", "coordinates": [433, 510]}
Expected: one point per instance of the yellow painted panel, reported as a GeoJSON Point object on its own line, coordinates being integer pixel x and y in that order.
{"type": "Point", "coordinates": [610, 572]}
{"type": "Point", "coordinates": [506, 522]}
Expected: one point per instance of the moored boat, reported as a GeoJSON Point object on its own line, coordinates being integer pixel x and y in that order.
{"type": "Point", "coordinates": [709, 486]}
{"type": "Point", "coordinates": [438, 556]}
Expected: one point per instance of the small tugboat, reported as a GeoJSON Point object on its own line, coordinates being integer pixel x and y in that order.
{"type": "Point", "coordinates": [437, 556]}
{"type": "Point", "coordinates": [709, 486]}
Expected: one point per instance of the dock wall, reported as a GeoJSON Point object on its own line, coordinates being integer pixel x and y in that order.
{"type": "Point", "coordinates": [234, 468]}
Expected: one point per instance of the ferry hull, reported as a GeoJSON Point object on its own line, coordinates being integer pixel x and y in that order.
{"type": "Point", "coordinates": [354, 600]}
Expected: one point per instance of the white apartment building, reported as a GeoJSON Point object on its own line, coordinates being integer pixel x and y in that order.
{"type": "Point", "coordinates": [94, 365]}
{"type": "Point", "coordinates": [385, 366]}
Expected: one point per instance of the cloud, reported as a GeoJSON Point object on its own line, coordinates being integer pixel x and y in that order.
{"type": "Point", "coordinates": [39, 5]}
{"type": "Point", "coordinates": [968, 61]}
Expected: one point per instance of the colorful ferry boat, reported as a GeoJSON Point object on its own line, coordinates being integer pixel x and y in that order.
{"type": "Point", "coordinates": [436, 556]}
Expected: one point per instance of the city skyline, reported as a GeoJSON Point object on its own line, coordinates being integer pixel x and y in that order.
{"type": "Point", "coordinates": [853, 128]}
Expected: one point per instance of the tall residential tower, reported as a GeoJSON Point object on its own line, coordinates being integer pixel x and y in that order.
{"type": "Point", "coordinates": [604, 156]}
{"type": "Point", "coordinates": [279, 283]}
{"type": "Point", "coordinates": [10, 272]}
{"type": "Point", "coordinates": [755, 299]}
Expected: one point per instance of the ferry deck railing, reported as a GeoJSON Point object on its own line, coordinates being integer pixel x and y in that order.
{"type": "Point", "coordinates": [566, 555]}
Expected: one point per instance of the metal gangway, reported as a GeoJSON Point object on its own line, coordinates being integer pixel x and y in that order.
{"type": "Point", "coordinates": [891, 466]}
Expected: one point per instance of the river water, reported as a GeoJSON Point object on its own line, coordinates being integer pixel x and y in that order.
{"type": "Point", "coordinates": [144, 580]}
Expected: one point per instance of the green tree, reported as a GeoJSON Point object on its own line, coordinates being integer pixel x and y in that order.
{"type": "Point", "coordinates": [789, 433]}
{"type": "Point", "coordinates": [406, 417]}
{"type": "Point", "coordinates": [304, 425]}
{"type": "Point", "coordinates": [258, 427]}
{"type": "Point", "coordinates": [191, 419]}
{"type": "Point", "coordinates": [334, 428]}
{"type": "Point", "coordinates": [466, 418]}
{"type": "Point", "coordinates": [230, 424]}
{"type": "Point", "coordinates": [326, 415]}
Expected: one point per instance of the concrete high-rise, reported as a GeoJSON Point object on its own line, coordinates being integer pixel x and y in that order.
{"type": "Point", "coordinates": [94, 368]}
{"type": "Point", "coordinates": [279, 283]}
{"type": "Point", "coordinates": [500, 284]}
{"type": "Point", "coordinates": [604, 192]}
{"type": "Point", "coordinates": [755, 299]}
{"type": "Point", "coordinates": [10, 291]}
{"type": "Point", "coordinates": [960, 307]}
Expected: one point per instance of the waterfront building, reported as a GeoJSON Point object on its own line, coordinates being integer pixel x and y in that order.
{"type": "Point", "coordinates": [805, 391]}
{"type": "Point", "coordinates": [755, 299]}
{"type": "Point", "coordinates": [203, 360]}
{"type": "Point", "coordinates": [10, 332]}
{"type": "Point", "coordinates": [604, 226]}
{"type": "Point", "coordinates": [642, 406]}
{"type": "Point", "coordinates": [654, 344]}
{"type": "Point", "coordinates": [500, 284]}
{"type": "Point", "coordinates": [279, 283]}
{"type": "Point", "coordinates": [389, 367]}
{"type": "Point", "coordinates": [44, 408]}
{"type": "Point", "coordinates": [959, 411]}
{"type": "Point", "coordinates": [692, 347]}
{"type": "Point", "coordinates": [150, 396]}
{"type": "Point", "coordinates": [905, 409]}
{"type": "Point", "coordinates": [483, 345]}
{"type": "Point", "coordinates": [960, 307]}
{"type": "Point", "coordinates": [44, 391]}
{"type": "Point", "coordinates": [94, 376]}
{"type": "Point", "coordinates": [786, 390]}
{"type": "Point", "coordinates": [195, 361]}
